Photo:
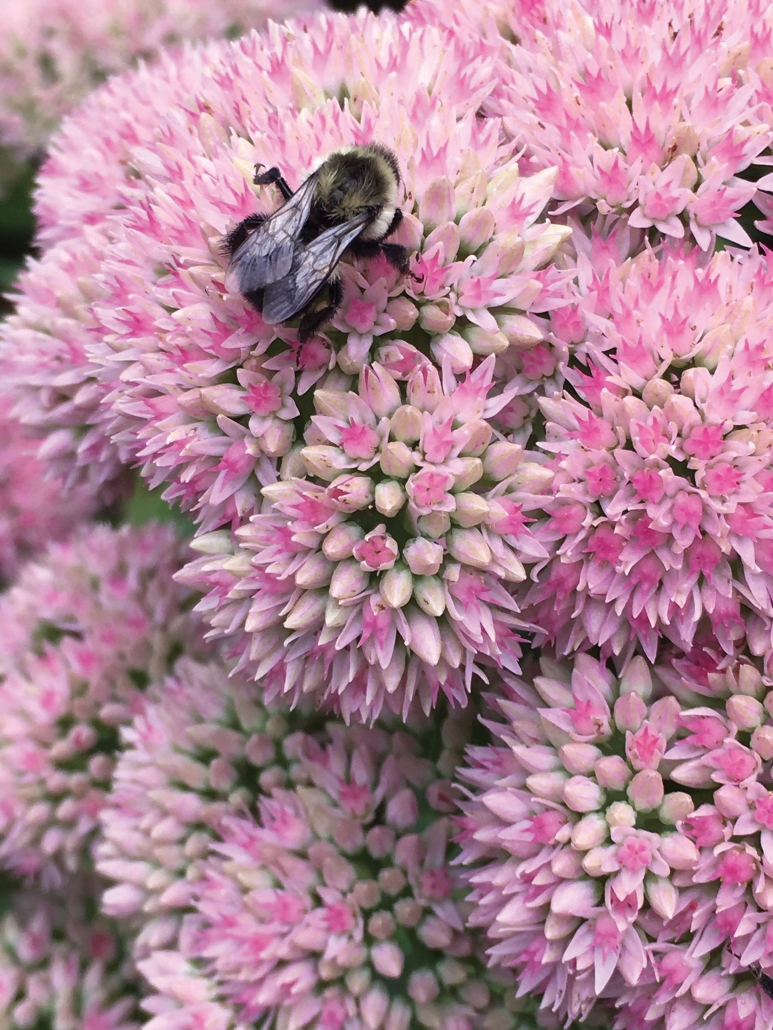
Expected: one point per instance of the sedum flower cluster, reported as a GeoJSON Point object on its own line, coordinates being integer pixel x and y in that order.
{"type": "Point", "coordinates": [83, 632]}
{"type": "Point", "coordinates": [61, 964]}
{"type": "Point", "coordinates": [617, 832]}
{"type": "Point", "coordinates": [301, 875]}
{"type": "Point", "coordinates": [54, 52]}
{"type": "Point", "coordinates": [481, 731]}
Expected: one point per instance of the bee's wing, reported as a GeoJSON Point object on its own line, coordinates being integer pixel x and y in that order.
{"type": "Point", "coordinates": [267, 253]}
{"type": "Point", "coordinates": [312, 267]}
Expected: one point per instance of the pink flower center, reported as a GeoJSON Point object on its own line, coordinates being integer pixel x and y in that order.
{"type": "Point", "coordinates": [634, 854]}
{"type": "Point", "coordinates": [437, 442]}
{"type": "Point", "coordinates": [763, 811]}
{"type": "Point", "coordinates": [736, 762]}
{"type": "Point", "coordinates": [649, 485]}
{"type": "Point", "coordinates": [722, 480]}
{"type": "Point", "coordinates": [359, 441]}
{"type": "Point", "coordinates": [606, 935]}
{"type": "Point", "coordinates": [430, 488]}
{"type": "Point", "coordinates": [601, 480]}
{"type": "Point", "coordinates": [435, 883]}
{"type": "Point", "coordinates": [355, 798]}
{"type": "Point", "coordinates": [376, 552]}
{"type": "Point", "coordinates": [339, 917]}
{"type": "Point", "coordinates": [545, 826]}
{"type": "Point", "coordinates": [646, 747]}
{"type": "Point", "coordinates": [704, 442]}
{"type": "Point", "coordinates": [736, 867]}
{"type": "Point", "coordinates": [264, 398]}
{"type": "Point", "coordinates": [706, 830]}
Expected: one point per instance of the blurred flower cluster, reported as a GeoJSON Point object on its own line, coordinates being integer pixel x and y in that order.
{"type": "Point", "coordinates": [455, 710]}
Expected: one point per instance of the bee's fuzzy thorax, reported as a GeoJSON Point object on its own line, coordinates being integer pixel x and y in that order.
{"type": "Point", "coordinates": [357, 179]}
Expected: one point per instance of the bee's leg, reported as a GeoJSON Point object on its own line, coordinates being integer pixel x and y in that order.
{"type": "Point", "coordinates": [312, 320]}
{"type": "Point", "coordinates": [236, 237]}
{"type": "Point", "coordinates": [273, 177]}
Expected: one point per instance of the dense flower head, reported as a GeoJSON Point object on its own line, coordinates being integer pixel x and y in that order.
{"type": "Point", "coordinates": [54, 52]}
{"type": "Point", "coordinates": [34, 510]}
{"type": "Point", "coordinates": [653, 112]}
{"type": "Point", "coordinates": [328, 898]}
{"type": "Point", "coordinates": [43, 350]}
{"type": "Point", "coordinates": [380, 573]}
{"type": "Point", "coordinates": [661, 441]}
{"type": "Point", "coordinates": [82, 633]}
{"type": "Point", "coordinates": [650, 111]}
{"type": "Point", "coordinates": [194, 751]}
{"type": "Point", "coordinates": [62, 965]}
{"type": "Point", "coordinates": [616, 834]}
{"type": "Point", "coordinates": [203, 394]}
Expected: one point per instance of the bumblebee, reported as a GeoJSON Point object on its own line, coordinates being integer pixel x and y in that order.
{"type": "Point", "coordinates": [282, 263]}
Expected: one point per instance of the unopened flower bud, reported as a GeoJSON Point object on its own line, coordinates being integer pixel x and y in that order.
{"type": "Point", "coordinates": [348, 580]}
{"type": "Point", "coordinates": [438, 204]}
{"type": "Point", "coordinates": [405, 424]}
{"type": "Point", "coordinates": [469, 547]}
{"type": "Point", "coordinates": [762, 742]}
{"type": "Point", "coordinates": [388, 959]}
{"type": "Point", "coordinates": [374, 1007]}
{"type": "Point", "coordinates": [467, 472]}
{"type": "Point", "coordinates": [675, 807]}
{"type": "Point", "coordinates": [434, 525]}
{"type": "Point", "coordinates": [746, 712]}
{"type": "Point", "coordinates": [390, 497]}
{"type": "Point", "coordinates": [630, 711]}
{"type": "Point", "coordinates": [339, 542]}
{"type": "Point", "coordinates": [476, 227]}
{"type": "Point", "coordinates": [645, 791]}
{"type": "Point", "coordinates": [430, 595]}
{"type": "Point", "coordinates": [423, 557]}
{"type": "Point", "coordinates": [437, 318]}
{"type": "Point", "coordinates": [620, 814]}
{"type": "Point", "coordinates": [484, 343]}
{"type": "Point", "coordinates": [379, 390]}
{"type": "Point", "coordinates": [397, 460]}
{"type": "Point", "coordinates": [636, 679]}
{"type": "Point", "coordinates": [679, 851]}
{"type": "Point", "coordinates": [502, 459]}
{"type": "Point", "coordinates": [730, 800]}
{"type": "Point", "coordinates": [590, 832]}
{"type": "Point", "coordinates": [579, 758]}
{"type": "Point", "coordinates": [396, 586]}
{"type": "Point", "coordinates": [471, 510]}
{"type": "Point", "coordinates": [662, 895]}
{"type": "Point", "coordinates": [520, 331]}
{"type": "Point", "coordinates": [582, 794]}
{"type": "Point", "coordinates": [455, 350]}
{"type": "Point", "coordinates": [612, 772]}
{"type": "Point", "coordinates": [549, 785]}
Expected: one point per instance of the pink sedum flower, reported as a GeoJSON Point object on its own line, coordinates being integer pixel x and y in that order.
{"type": "Point", "coordinates": [200, 392]}
{"type": "Point", "coordinates": [616, 834]}
{"type": "Point", "coordinates": [82, 632]}
{"type": "Point", "coordinates": [329, 899]}
{"type": "Point", "coordinates": [176, 778]}
{"type": "Point", "coordinates": [44, 344]}
{"type": "Point", "coordinates": [380, 576]}
{"type": "Point", "coordinates": [59, 965]}
{"type": "Point", "coordinates": [660, 448]}
{"type": "Point", "coordinates": [54, 52]}
{"type": "Point", "coordinates": [652, 112]}
{"type": "Point", "coordinates": [33, 510]}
